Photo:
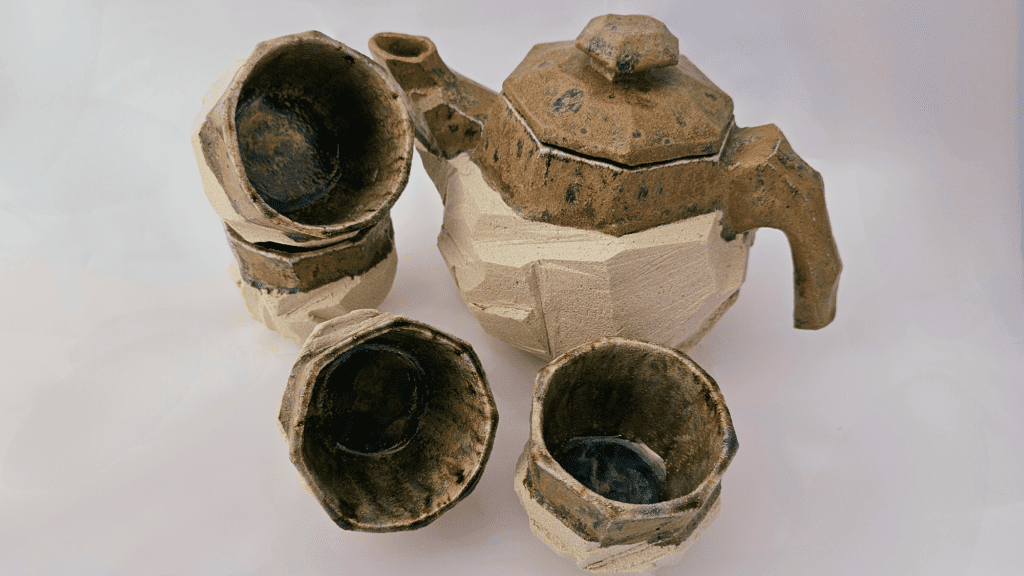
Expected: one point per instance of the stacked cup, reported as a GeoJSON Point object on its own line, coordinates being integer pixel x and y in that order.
{"type": "Point", "coordinates": [303, 149]}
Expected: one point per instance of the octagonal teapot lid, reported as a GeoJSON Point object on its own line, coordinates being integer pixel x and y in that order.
{"type": "Point", "coordinates": [621, 93]}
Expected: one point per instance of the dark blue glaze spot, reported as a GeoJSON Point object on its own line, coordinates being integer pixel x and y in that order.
{"type": "Point", "coordinates": [614, 468]}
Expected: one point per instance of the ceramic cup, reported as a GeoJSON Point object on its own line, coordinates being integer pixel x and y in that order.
{"type": "Point", "coordinates": [303, 148]}
{"type": "Point", "coordinates": [389, 421]}
{"type": "Point", "coordinates": [304, 143]}
{"type": "Point", "coordinates": [628, 445]}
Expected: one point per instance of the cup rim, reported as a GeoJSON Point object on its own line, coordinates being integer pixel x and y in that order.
{"type": "Point", "coordinates": [541, 455]}
{"type": "Point", "coordinates": [265, 215]}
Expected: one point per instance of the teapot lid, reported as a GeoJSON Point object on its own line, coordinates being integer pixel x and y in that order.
{"type": "Point", "coordinates": [622, 93]}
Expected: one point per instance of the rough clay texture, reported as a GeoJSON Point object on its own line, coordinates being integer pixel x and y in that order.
{"type": "Point", "coordinates": [297, 93]}
{"type": "Point", "coordinates": [411, 485]}
{"type": "Point", "coordinates": [448, 110]}
{"type": "Point", "coordinates": [294, 315]}
{"type": "Point", "coordinates": [640, 392]}
{"type": "Point", "coordinates": [545, 288]}
{"type": "Point", "coordinates": [637, 558]}
{"type": "Point", "coordinates": [622, 45]}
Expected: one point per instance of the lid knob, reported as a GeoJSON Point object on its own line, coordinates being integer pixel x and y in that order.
{"type": "Point", "coordinates": [622, 45]}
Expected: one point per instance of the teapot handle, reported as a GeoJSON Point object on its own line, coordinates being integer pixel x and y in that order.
{"type": "Point", "coordinates": [770, 186]}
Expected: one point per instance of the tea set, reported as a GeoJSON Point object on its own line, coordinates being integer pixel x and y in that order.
{"type": "Point", "coordinates": [598, 213]}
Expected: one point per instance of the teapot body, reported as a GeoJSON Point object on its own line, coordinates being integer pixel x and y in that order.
{"type": "Point", "coordinates": [546, 288]}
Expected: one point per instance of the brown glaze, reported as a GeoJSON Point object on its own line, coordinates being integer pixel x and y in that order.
{"type": "Point", "coordinates": [756, 180]}
{"type": "Point", "coordinates": [652, 114]}
{"type": "Point", "coordinates": [290, 269]}
{"type": "Point", "coordinates": [448, 109]}
{"type": "Point", "coordinates": [657, 438]}
{"type": "Point", "coordinates": [310, 138]}
{"type": "Point", "coordinates": [619, 177]}
{"type": "Point", "coordinates": [619, 46]}
{"type": "Point", "coordinates": [389, 422]}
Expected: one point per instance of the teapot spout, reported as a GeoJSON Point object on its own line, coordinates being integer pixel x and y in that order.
{"type": "Point", "coordinates": [448, 110]}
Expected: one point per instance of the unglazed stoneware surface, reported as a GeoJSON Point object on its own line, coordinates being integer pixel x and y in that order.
{"type": "Point", "coordinates": [618, 134]}
{"type": "Point", "coordinates": [389, 421]}
{"type": "Point", "coordinates": [545, 288]}
{"type": "Point", "coordinates": [295, 314]}
{"type": "Point", "coordinates": [640, 505]}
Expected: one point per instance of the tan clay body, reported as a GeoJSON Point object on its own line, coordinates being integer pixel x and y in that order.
{"type": "Point", "coordinates": [295, 314]}
{"type": "Point", "coordinates": [639, 557]}
{"type": "Point", "coordinates": [545, 288]}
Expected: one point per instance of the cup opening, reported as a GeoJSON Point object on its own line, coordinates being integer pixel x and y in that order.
{"type": "Point", "coordinates": [612, 402]}
{"type": "Point", "coordinates": [317, 131]}
{"type": "Point", "coordinates": [397, 429]}
{"type": "Point", "coordinates": [371, 399]}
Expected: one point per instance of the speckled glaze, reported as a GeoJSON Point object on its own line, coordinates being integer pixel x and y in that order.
{"type": "Point", "coordinates": [309, 142]}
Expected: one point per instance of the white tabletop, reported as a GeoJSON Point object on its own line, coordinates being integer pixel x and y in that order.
{"type": "Point", "coordinates": [138, 399]}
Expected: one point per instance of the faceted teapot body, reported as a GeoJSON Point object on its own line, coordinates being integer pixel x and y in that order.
{"type": "Point", "coordinates": [607, 190]}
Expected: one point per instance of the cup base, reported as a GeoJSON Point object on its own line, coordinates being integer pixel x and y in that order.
{"type": "Point", "coordinates": [295, 315]}
{"type": "Point", "coordinates": [638, 558]}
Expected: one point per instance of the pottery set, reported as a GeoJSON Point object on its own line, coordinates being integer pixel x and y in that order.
{"type": "Point", "coordinates": [598, 211]}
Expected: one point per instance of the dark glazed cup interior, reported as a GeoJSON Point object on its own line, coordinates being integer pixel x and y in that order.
{"type": "Point", "coordinates": [602, 409]}
{"type": "Point", "coordinates": [397, 430]}
{"type": "Point", "coordinates": [318, 130]}
{"type": "Point", "coordinates": [369, 400]}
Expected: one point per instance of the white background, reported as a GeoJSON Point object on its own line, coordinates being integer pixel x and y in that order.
{"type": "Point", "coordinates": [138, 400]}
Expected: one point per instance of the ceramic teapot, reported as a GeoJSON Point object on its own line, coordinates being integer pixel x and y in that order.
{"type": "Point", "coordinates": [607, 190]}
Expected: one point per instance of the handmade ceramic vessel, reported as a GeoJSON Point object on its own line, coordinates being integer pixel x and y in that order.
{"type": "Point", "coordinates": [628, 445]}
{"type": "Point", "coordinates": [307, 142]}
{"type": "Point", "coordinates": [389, 421]}
{"type": "Point", "coordinates": [607, 190]}
{"type": "Point", "coordinates": [303, 148]}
